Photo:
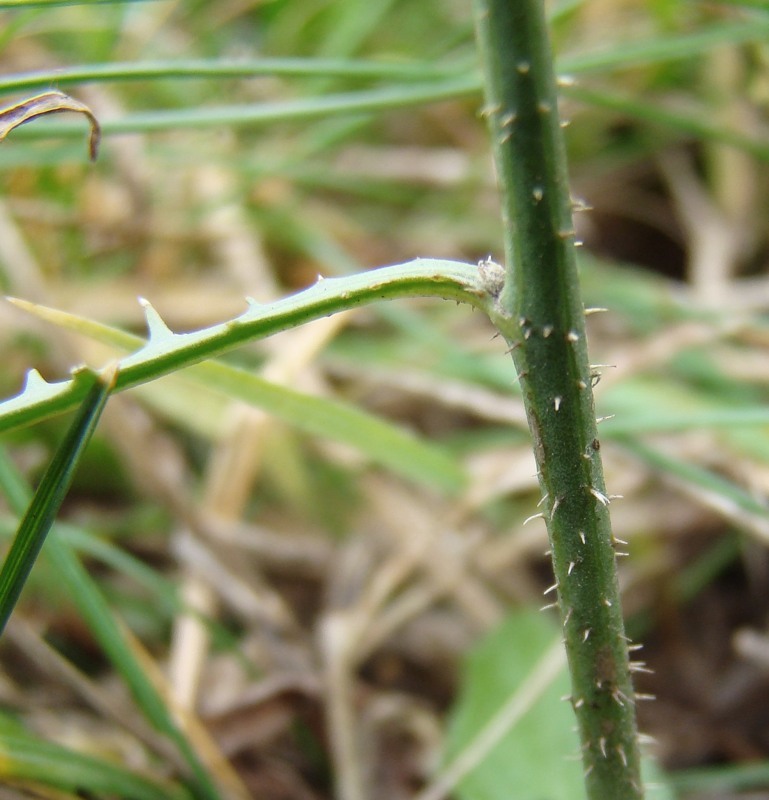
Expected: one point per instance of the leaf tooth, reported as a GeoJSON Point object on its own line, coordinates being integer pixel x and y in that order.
{"type": "Point", "coordinates": [34, 381]}
{"type": "Point", "coordinates": [36, 390]}
{"type": "Point", "coordinates": [253, 307]}
{"type": "Point", "coordinates": [156, 327]}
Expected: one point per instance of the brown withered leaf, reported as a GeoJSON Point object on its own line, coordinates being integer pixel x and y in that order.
{"type": "Point", "coordinates": [53, 102]}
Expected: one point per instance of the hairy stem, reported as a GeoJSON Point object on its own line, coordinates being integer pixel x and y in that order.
{"type": "Point", "coordinates": [540, 312]}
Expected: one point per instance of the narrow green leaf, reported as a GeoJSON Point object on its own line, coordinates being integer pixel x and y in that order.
{"type": "Point", "coordinates": [109, 633]}
{"type": "Point", "coordinates": [166, 352]}
{"type": "Point", "coordinates": [707, 482]}
{"type": "Point", "coordinates": [37, 763]}
{"type": "Point", "coordinates": [49, 496]}
{"type": "Point", "coordinates": [52, 3]}
{"type": "Point", "coordinates": [383, 442]}
{"type": "Point", "coordinates": [697, 123]}
{"type": "Point", "coordinates": [368, 101]}
{"type": "Point", "coordinates": [357, 69]}
{"type": "Point", "coordinates": [666, 48]}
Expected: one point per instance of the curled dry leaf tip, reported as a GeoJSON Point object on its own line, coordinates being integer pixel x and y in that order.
{"type": "Point", "coordinates": [52, 102]}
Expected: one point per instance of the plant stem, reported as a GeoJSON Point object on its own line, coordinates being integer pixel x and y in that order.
{"type": "Point", "coordinates": [540, 313]}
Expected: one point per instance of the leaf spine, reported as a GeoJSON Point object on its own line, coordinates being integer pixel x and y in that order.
{"type": "Point", "coordinates": [156, 327]}
{"type": "Point", "coordinates": [34, 380]}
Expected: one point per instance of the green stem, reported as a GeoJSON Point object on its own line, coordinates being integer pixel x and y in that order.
{"type": "Point", "coordinates": [540, 313]}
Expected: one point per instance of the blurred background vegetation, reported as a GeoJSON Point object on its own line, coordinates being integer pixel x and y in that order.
{"type": "Point", "coordinates": [311, 611]}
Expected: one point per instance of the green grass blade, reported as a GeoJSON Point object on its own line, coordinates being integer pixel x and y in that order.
{"type": "Point", "coordinates": [728, 493]}
{"type": "Point", "coordinates": [698, 125]}
{"type": "Point", "coordinates": [383, 442]}
{"type": "Point", "coordinates": [724, 780]}
{"type": "Point", "coordinates": [304, 109]}
{"type": "Point", "coordinates": [664, 49]}
{"type": "Point", "coordinates": [49, 496]}
{"type": "Point", "coordinates": [23, 4]}
{"type": "Point", "coordinates": [356, 69]}
{"type": "Point", "coordinates": [113, 639]}
{"type": "Point", "coordinates": [93, 546]}
{"type": "Point", "coordinates": [109, 633]}
{"type": "Point", "coordinates": [643, 52]}
{"type": "Point", "coordinates": [36, 763]}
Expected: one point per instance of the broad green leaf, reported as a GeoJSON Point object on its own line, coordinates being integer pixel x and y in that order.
{"type": "Point", "coordinates": [517, 674]}
{"type": "Point", "coordinates": [535, 757]}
